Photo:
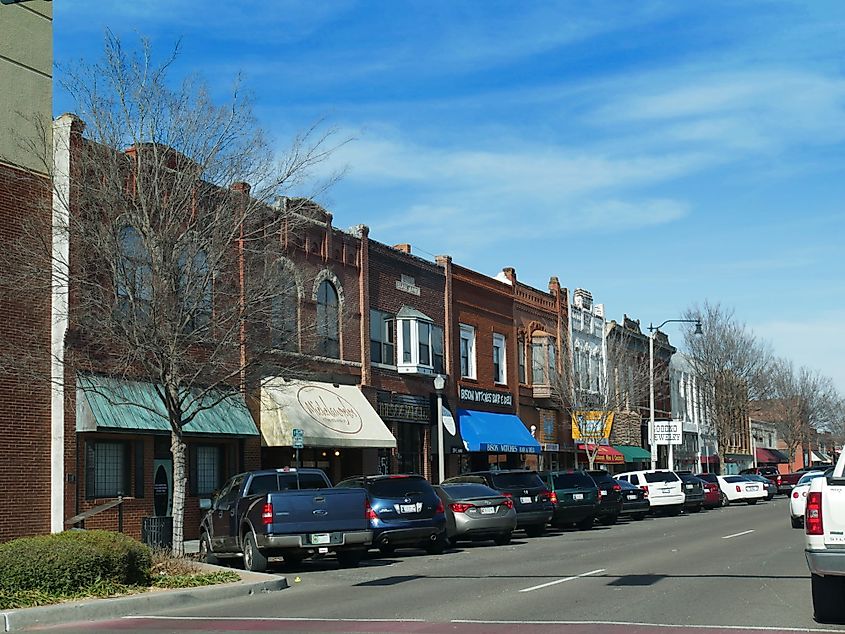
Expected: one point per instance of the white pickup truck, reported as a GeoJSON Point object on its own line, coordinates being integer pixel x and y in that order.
{"type": "Point", "coordinates": [824, 528]}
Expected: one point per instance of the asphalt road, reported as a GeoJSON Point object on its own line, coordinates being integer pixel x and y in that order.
{"type": "Point", "coordinates": [739, 567]}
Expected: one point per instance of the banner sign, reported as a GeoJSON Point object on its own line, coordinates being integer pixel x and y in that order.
{"type": "Point", "coordinates": [591, 425]}
{"type": "Point", "coordinates": [404, 408]}
{"type": "Point", "coordinates": [488, 397]}
{"type": "Point", "coordinates": [668, 432]}
{"type": "Point", "coordinates": [492, 447]}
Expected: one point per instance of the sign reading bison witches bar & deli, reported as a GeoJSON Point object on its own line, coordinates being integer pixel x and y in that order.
{"type": "Point", "coordinates": [486, 397]}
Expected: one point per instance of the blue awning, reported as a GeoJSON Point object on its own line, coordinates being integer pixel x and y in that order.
{"type": "Point", "coordinates": [495, 433]}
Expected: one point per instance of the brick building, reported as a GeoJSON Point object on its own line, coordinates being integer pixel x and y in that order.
{"type": "Point", "coordinates": [26, 65]}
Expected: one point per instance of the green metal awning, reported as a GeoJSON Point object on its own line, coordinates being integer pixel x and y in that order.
{"type": "Point", "coordinates": [110, 404]}
{"type": "Point", "coordinates": [633, 453]}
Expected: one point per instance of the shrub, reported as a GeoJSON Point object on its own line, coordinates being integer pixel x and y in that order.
{"type": "Point", "coordinates": [69, 562]}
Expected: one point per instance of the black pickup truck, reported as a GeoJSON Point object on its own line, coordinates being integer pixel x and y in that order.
{"type": "Point", "coordinates": [293, 513]}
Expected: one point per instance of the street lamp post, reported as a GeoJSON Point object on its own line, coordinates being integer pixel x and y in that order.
{"type": "Point", "coordinates": [439, 384]}
{"type": "Point", "coordinates": [653, 330]}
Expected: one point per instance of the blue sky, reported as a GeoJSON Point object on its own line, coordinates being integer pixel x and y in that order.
{"type": "Point", "coordinates": [656, 153]}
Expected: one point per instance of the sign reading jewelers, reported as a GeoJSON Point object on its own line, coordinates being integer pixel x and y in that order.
{"type": "Point", "coordinates": [668, 432]}
{"type": "Point", "coordinates": [486, 397]}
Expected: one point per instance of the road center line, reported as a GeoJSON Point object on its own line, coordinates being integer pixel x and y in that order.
{"type": "Point", "coordinates": [554, 583]}
{"type": "Point", "coordinates": [738, 534]}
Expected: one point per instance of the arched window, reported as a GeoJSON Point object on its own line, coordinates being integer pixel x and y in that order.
{"type": "Point", "coordinates": [328, 321]}
{"type": "Point", "coordinates": [133, 275]}
{"type": "Point", "coordinates": [195, 290]}
{"type": "Point", "coordinates": [285, 317]}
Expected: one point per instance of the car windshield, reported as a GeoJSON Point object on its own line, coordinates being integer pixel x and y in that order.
{"type": "Point", "coordinates": [516, 480]}
{"type": "Point", "coordinates": [661, 476]}
{"type": "Point", "coordinates": [397, 487]}
{"type": "Point", "coordinates": [468, 491]}
{"type": "Point", "coordinates": [810, 476]}
{"type": "Point", "coordinates": [573, 481]}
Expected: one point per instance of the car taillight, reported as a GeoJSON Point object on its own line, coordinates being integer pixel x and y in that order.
{"type": "Point", "coordinates": [508, 495]}
{"type": "Point", "coordinates": [813, 515]}
{"type": "Point", "coordinates": [440, 508]}
{"type": "Point", "coordinates": [779, 480]}
{"type": "Point", "coordinates": [460, 507]}
{"type": "Point", "coordinates": [617, 487]}
{"type": "Point", "coordinates": [795, 494]}
{"type": "Point", "coordinates": [553, 497]}
{"type": "Point", "coordinates": [267, 513]}
{"type": "Point", "coordinates": [508, 503]}
{"type": "Point", "coordinates": [369, 513]}
{"type": "Point", "coordinates": [738, 490]}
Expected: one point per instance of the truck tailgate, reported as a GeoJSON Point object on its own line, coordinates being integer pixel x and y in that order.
{"type": "Point", "coordinates": [833, 509]}
{"type": "Point", "coordinates": [318, 511]}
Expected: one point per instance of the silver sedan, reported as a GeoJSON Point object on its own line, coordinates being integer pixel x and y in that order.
{"type": "Point", "coordinates": [477, 512]}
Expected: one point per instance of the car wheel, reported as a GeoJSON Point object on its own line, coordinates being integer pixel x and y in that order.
{"type": "Point", "coordinates": [254, 561]}
{"type": "Point", "coordinates": [205, 552]}
{"type": "Point", "coordinates": [586, 523]}
{"type": "Point", "coordinates": [436, 547]}
{"type": "Point", "coordinates": [725, 501]}
{"type": "Point", "coordinates": [696, 509]}
{"type": "Point", "coordinates": [503, 539]}
{"type": "Point", "coordinates": [451, 542]}
{"type": "Point", "coordinates": [751, 502]}
{"type": "Point", "coordinates": [387, 549]}
{"type": "Point", "coordinates": [827, 599]}
{"type": "Point", "coordinates": [349, 558]}
{"type": "Point", "coordinates": [797, 522]}
{"type": "Point", "coordinates": [609, 520]}
{"type": "Point", "coordinates": [639, 517]}
{"type": "Point", "coordinates": [535, 530]}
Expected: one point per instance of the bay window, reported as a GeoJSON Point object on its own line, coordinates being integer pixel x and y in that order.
{"type": "Point", "coordinates": [543, 360]}
{"type": "Point", "coordinates": [420, 343]}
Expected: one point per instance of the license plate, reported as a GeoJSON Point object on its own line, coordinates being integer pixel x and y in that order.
{"type": "Point", "coordinates": [577, 496]}
{"type": "Point", "coordinates": [632, 497]}
{"type": "Point", "coordinates": [321, 538]}
{"type": "Point", "coordinates": [488, 510]}
{"type": "Point", "coordinates": [665, 490]}
{"type": "Point", "coordinates": [407, 508]}
{"type": "Point", "coordinates": [689, 486]}
{"type": "Point", "coordinates": [525, 500]}
{"type": "Point", "coordinates": [602, 492]}
{"type": "Point", "coordinates": [751, 489]}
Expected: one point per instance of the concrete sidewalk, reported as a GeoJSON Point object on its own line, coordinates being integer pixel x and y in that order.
{"type": "Point", "coordinates": [149, 602]}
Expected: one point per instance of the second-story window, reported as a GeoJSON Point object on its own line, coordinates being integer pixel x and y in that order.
{"type": "Point", "coordinates": [543, 360]}
{"type": "Point", "coordinates": [382, 349]}
{"type": "Point", "coordinates": [195, 288]}
{"type": "Point", "coordinates": [285, 317]}
{"type": "Point", "coordinates": [499, 372]}
{"type": "Point", "coordinates": [328, 321]}
{"type": "Point", "coordinates": [133, 277]}
{"type": "Point", "coordinates": [420, 343]}
{"type": "Point", "coordinates": [467, 352]}
{"type": "Point", "coordinates": [520, 354]}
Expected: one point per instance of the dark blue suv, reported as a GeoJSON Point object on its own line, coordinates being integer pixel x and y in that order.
{"type": "Point", "coordinates": [404, 511]}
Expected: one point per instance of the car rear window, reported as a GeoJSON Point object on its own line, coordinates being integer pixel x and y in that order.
{"type": "Point", "coordinates": [708, 477]}
{"type": "Point", "coordinates": [573, 481]}
{"type": "Point", "coordinates": [810, 476]}
{"type": "Point", "coordinates": [601, 476]}
{"type": "Point", "coordinates": [397, 487]}
{"type": "Point", "coordinates": [467, 491]}
{"type": "Point", "coordinates": [661, 476]}
{"type": "Point", "coordinates": [516, 480]}
{"type": "Point", "coordinates": [736, 478]}
{"type": "Point", "coordinates": [272, 482]}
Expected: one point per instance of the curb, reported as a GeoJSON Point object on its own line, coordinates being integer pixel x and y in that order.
{"type": "Point", "coordinates": [107, 609]}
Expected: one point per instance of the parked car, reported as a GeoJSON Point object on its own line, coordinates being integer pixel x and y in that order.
{"type": "Point", "coordinates": [710, 487]}
{"type": "Point", "coordinates": [789, 480]}
{"type": "Point", "coordinates": [772, 474]}
{"type": "Point", "coordinates": [798, 498]}
{"type": "Point", "coordinates": [635, 502]}
{"type": "Point", "coordinates": [576, 497]}
{"type": "Point", "coordinates": [610, 497]}
{"type": "Point", "coordinates": [693, 492]}
{"type": "Point", "coordinates": [736, 488]}
{"type": "Point", "coordinates": [665, 489]}
{"type": "Point", "coordinates": [404, 511]}
{"type": "Point", "coordinates": [770, 486]}
{"type": "Point", "coordinates": [293, 513]}
{"type": "Point", "coordinates": [477, 512]}
{"type": "Point", "coordinates": [531, 499]}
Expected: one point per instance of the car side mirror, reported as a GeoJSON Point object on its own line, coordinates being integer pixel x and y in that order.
{"type": "Point", "coordinates": [205, 504]}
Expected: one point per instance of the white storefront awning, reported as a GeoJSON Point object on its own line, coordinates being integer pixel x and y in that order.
{"type": "Point", "coordinates": [329, 416]}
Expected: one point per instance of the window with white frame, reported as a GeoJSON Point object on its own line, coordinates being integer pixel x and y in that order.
{"type": "Point", "coordinates": [467, 352]}
{"type": "Point", "coordinates": [499, 361]}
{"type": "Point", "coordinates": [419, 343]}
{"type": "Point", "coordinates": [382, 347]}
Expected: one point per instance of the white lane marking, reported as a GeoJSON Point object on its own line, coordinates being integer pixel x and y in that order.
{"type": "Point", "coordinates": [554, 583]}
{"type": "Point", "coordinates": [762, 628]}
{"type": "Point", "coordinates": [258, 619]}
{"type": "Point", "coordinates": [738, 534]}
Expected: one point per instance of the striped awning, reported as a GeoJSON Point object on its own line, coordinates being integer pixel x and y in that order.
{"type": "Point", "coordinates": [770, 456]}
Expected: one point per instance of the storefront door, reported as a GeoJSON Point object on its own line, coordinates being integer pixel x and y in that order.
{"type": "Point", "coordinates": [162, 487]}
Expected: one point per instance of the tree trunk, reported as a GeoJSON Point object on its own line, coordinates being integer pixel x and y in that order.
{"type": "Point", "coordinates": [591, 460]}
{"type": "Point", "coordinates": [177, 449]}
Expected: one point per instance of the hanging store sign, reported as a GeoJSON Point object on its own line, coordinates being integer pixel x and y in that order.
{"type": "Point", "coordinates": [668, 432]}
{"type": "Point", "coordinates": [591, 425]}
{"type": "Point", "coordinates": [403, 408]}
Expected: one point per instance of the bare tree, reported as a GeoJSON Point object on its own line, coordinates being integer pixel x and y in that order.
{"type": "Point", "coordinates": [610, 394]}
{"type": "Point", "coordinates": [732, 366]}
{"type": "Point", "coordinates": [174, 271]}
{"type": "Point", "coordinates": [803, 402]}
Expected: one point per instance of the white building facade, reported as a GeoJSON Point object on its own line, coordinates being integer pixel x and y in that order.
{"type": "Point", "coordinates": [698, 452]}
{"type": "Point", "coordinates": [589, 348]}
